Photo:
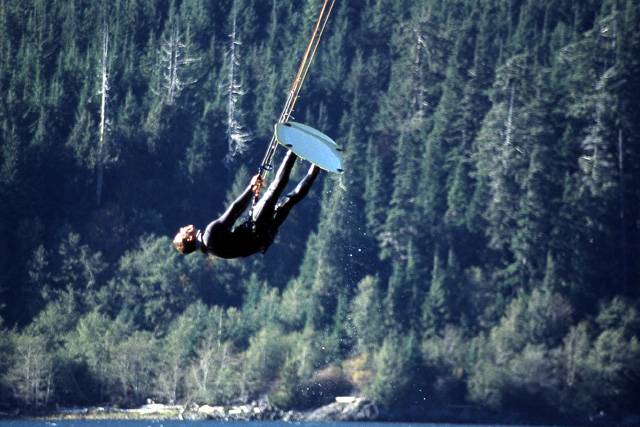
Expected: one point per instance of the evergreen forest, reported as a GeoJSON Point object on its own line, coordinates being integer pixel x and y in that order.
{"type": "Point", "coordinates": [480, 249]}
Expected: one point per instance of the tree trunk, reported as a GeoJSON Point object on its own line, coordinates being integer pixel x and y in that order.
{"type": "Point", "coordinates": [104, 89]}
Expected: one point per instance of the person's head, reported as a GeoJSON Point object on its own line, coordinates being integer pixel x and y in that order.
{"type": "Point", "coordinates": [185, 240]}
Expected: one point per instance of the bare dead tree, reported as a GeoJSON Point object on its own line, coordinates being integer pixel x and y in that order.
{"type": "Point", "coordinates": [508, 131]}
{"type": "Point", "coordinates": [31, 376]}
{"type": "Point", "coordinates": [421, 56]}
{"type": "Point", "coordinates": [104, 93]}
{"type": "Point", "coordinates": [237, 136]}
{"type": "Point", "coordinates": [202, 366]}
{"type": "Point", "coordinates": [174, 62]}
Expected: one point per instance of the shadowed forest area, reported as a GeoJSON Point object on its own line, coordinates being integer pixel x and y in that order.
{"type": "Point", "coordinates": [480, 249]}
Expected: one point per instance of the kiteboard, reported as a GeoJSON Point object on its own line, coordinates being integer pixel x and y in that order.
{"type": "Point", "coordinates": [310, 144]}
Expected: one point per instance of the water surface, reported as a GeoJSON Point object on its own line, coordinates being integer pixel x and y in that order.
{"type": "Point", "coordinates": [175, 423]}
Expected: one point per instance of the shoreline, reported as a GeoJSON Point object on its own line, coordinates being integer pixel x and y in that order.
{"type": "Point", "coordinates": [348, 409]}
{"type": "Point", "coordinates": [353, 409]}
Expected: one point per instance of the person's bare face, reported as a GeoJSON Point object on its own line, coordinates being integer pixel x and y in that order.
{"type": "Point", "coordinates": [185, 235]}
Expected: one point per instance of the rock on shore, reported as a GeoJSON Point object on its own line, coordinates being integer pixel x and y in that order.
{"type": "Point", "coordinates": [262, 411]}
{"type": "Point", "coordinates": [346, 409]}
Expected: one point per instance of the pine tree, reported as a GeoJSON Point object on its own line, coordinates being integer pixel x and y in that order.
{"type": "Point", "coordinates": [401, 222]}
{"type": "Point", "coordinates": [375, 195]}
{"type": "Point", "coordinates": [435, 310]}
{"type": "Point", "coordinates": [458, 196]}
{"type": "Point", "coordinates": [447, 139]}
{"type": "Point", "coordinates": [396, 363]}
{"type": "Point", "coordinates": [288, 395]}
{"type": "Point", "coordinates": [405, 293]}
{"type": "Point", "coordinates": [366, 312]}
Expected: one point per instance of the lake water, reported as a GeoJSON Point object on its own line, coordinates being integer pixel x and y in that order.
{"type": "Point", "coordinates": [163, 423]}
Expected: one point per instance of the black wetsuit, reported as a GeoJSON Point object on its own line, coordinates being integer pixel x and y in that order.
{"type": "Point", "coordinates": [223, 239]}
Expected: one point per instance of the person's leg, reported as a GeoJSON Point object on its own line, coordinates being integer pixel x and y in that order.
{"type": "Point", "coordinates": [267, 203]}
{"type": "Point", "coordinates": [299, 193]}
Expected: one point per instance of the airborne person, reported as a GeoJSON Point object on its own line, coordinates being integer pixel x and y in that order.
{"type": "Point", "coordinates": [224, 239]}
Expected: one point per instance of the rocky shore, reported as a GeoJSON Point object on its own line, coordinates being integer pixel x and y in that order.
{"type": "Point", "coordinates": [343, 409]}
{"type": "Point", "coordinates": [348, 408]}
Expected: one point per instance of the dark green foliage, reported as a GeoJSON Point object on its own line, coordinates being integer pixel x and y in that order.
{"type": "Point", "coordinates": [287, 394]}
{"type": "Point", "coordinates": [399, 375]}
{"type": "Point", "coordinates": [367, 315]}
{"type": "Point", "coordinates": [437, 308]}
{"type": "Point", "coordinates": [480, 248]}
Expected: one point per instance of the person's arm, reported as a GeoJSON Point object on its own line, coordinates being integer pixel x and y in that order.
{"type": "Point", "coordinates": [238, 206]}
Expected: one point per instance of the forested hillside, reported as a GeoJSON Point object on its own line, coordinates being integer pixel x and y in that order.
{"type": "Point", "coordinates": [481, 247]}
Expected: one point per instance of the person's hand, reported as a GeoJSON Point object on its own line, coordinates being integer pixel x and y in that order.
{"type": "Point", "coordinates": [255, 179]}
{"type": "Point", "coordinates": [256, 184]}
